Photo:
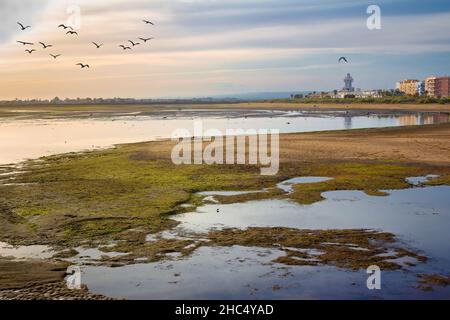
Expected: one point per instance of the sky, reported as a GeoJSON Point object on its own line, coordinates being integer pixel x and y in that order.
{"type": "Point", "coordinates": [215, 47]}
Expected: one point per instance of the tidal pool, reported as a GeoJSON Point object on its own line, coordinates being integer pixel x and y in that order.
{"type": "Point", "coordinates": [30, 138]}
{"type": "Point", "coordinates": [419, 217]}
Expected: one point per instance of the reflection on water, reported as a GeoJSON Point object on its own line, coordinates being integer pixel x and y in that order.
{"type": "Point", "coordinates": [33, 138]}
{"type": "Point", "coordinates": [420, 217]}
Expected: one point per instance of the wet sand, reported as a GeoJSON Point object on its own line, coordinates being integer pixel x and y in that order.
{"type": "Point", "coordinates": [39, 111]}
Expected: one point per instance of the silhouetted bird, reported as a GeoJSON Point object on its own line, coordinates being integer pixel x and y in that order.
{"type": "Point", "coordinates": [45, 45]}
{"type": "Point", "coordinates": [83, 65]}
{"type": "Point", "coordinates": [97, 45]}
{"type": "Point", "coordinates": [26, 43]}
{"type": "Point", "coordinates": [55, 56]}
{"type": "Point", "coordinates": [23, 27]}
{"type": "Point", "coordinates": [124, 47]}
{"type": "Point", "coordinates": [343, 59]}
{"type": "Point", "coordinates": [65, 27]}
{"type": "Point", "coordinates": [30, 51]}
{"type": "Point", "coordinates": [134, 43]}
{"type": "Point", "coordinates": [72, 32]}
{"type": "Point", "coordinates": [146, 39]}
{"type": "Point", "coordinates": [148, 22]}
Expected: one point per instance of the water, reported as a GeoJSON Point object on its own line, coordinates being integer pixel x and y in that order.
{"type": "Point", "coordinates": [419, 217]}
{"type": "Point", "coordinates": [29, 138]}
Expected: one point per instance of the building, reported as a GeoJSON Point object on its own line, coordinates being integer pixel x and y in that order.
{"type": "Point", "coordinates": [350, 92]}
{"type": "Point", "coordinates": [437, 87]}
{"type": "Point", "coordinates": [348, 80]}
{"type": "Point", "coordinates": [410, 87]}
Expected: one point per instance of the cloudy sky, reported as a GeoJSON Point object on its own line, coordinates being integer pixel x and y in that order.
{"type": "Point", "coordinates": [209, 47]}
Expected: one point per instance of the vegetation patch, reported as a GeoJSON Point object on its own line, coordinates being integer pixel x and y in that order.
{"type": "Point", "coordinates": [428, 281]}
{"type": "Point", "coordinates": [350, 249]}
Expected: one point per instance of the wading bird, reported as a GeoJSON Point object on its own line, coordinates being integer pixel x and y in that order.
{"type": "Point", "coordinates": [23, 27]}
{"type": "Point", "coordinates": [65, 27]}
{"type": "Point", "coordinates": [55, 56]}
{"type": "Point", "coordinates": [124, 48]}
{"type": "Point", "coordinates": [26, 43]}
{"type": "Point", "coordinates": [72, 32]}
{"type": "Point", "coordinates": [148, 22]}
{"type": "Point", "coordinates": [30, 51]}
{"type": "Point", "coordinates": [134, 43]}
{"type": "Point", "coordinates": [146, 39]}
{"type": "Point", "coordinates": [45, 45]}
{"type": "Point", "coordinates": [83, 65]}
{"type": "Point", "coordinates": [97, 45]}
{"type": "Point", "coordinates": [343, 59]}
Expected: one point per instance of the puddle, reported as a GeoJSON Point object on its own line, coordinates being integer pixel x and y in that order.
{"type": "Point", "coordinates": [420, 180]}
{"type": "Point", "coordinates": [86, 255]}
{"type": "Point", "coordinates": [247, 273]}
{"type": "Point", "coordinates": [25, 252]}
{"type": "Point", "coordinates": [287, 186]}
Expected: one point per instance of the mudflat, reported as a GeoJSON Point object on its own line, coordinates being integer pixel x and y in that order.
{"type": "Point", "coordinates": [128, 192]}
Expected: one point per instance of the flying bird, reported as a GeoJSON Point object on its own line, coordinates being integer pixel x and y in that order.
{"type": "Point", "coordinates": [134, 43]}
{"type": "Point", "coordinates": [45, 45]}
{"type": "Point", "coordinates": [30, 51]}
{"type": "Point", "coordinates": [146, 39]}
{"type": "Point", "coordinates": [148, 22]}
{"type": "Point", "coordinates": [65, 27]}
{"type": "Point", "coordinates": [343, 59]}
{"type": "Point", "coordinates": [55, 56]}
{"type": "Point", "coordinates": [83, 65]}
{"type": "Point", "coordinates": [97, 45]}
{"type": "Point", "coordinates": [72, 32]}
{"type": "Point", "coordinates": [22, 26]}
{"type": "Point", "coordinates": [124, 47]}
{"type": "Point", "coordinates": [26, 43]}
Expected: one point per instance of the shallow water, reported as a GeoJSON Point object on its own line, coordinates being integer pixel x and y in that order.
{"type": "Point", "coordinates": [420, 217]}
{"type": "Point", "coordinates": [25, 138]}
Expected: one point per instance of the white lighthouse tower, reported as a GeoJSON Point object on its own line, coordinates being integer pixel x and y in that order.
{"type": "Point", "coordinates": [348, 80]}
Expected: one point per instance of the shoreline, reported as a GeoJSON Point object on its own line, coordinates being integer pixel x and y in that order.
{"type": "Point", "coordinates": [69, 110]}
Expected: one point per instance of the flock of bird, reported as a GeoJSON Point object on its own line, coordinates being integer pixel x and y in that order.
{"type": "Point", "coordinates": [72, 32]}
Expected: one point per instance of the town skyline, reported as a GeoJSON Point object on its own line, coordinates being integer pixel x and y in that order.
{"type": "Point", "coordinates": [209, 48]}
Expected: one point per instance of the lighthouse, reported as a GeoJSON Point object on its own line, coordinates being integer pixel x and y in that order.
{"type": "Point", "coordinates": [348, 80]}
